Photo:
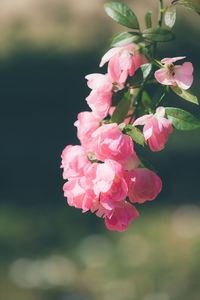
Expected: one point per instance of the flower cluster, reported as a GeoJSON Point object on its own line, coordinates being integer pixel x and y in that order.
{"type": "Point", "coordinates": [104, 174]}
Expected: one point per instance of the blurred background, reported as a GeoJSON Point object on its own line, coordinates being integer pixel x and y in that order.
{"type": "Point", "coordinates": [50, 251]}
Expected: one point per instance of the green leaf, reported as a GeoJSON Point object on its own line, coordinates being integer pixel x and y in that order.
{"type": "Point", "coordinates": [191, 4]}
{"type": "Point", "coordinates": [135, 134]}
{"type": "Point", "coordinates": [185, 94]}
{"type": "Point", "coordinates": [158, 35]}
{"type": "Point", "coordinates": [170, 16]}
{"type": "Point", "coordinates": [181, 119]}
{"type": "Point", "coordinates": [125, 38]}
{"type": "Point", "coordinates": [122, 109]}
{"type": "Point", "coordinates": [122, 14]}
{"type": "Point", "coordinates": [146, 70]}
{"type": "Point", "coordinates": [148, 19]}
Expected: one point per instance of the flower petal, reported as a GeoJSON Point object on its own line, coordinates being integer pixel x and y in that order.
{"type": "Point", "coordinates": [168, 60]}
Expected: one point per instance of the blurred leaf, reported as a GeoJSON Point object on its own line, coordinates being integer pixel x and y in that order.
{"type": "Point", "coordinates": [158, 35]}
{"type": "Point", "coordinates": [122, 109]}
{"type": "Point", "coordinates": [191, 4]}
{"type": "Point", "coordinates": [125, 38]}
{"type": "Point", "coordinates": [135, 134]}
{"type": "Point", "coordinates": [146, 70]}
{"type": "Point", "coordinates": [181, 119]}
{"type": "Point", "coordinates": [170, 16]}
{"type": "Point", "coordinates": [185, 94]}
{"type": "Point", "coordinates": [122, 14]}
{"type": "Point", "coordinates": [148, 19]}
{"type": "Point", "coordinates": [116, 97]}
{"type": "Point", "coordinates": [144, 163]}
{"type": "Point", "coordinates": [146, 100]}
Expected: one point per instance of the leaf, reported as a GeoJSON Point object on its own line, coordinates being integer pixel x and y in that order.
{"type": "Point", "coordinates": [191, 4]}
{"type": "Point", "coordinates": [146, 70]}
{"type": "Point", "coordinates": [170, 16]}
{"type": "Point", "coordinates": [158, 35]}
{"type": "Point", "coordinates": [185, 94]}
{"type": "Point", "coordinates": [122, 14]}
{"type": "Point", "coordinates": [125, 38]}
{"type": "Point", "coordinates": [146, 101]}
{"type": "Point", "coordinates": [122, 109]}
{"type": "Point", "coordinates": [181, 119]}
{"type": "Point", "coordinates": [148, 19]}
{"type": "Point", "coordinates": [135, 134]}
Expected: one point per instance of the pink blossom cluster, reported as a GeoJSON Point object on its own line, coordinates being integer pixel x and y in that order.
{"type": "Point", "coordinates": [104, 174]}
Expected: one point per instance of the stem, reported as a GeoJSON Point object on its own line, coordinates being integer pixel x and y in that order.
{"type": "Point", "coordinates": [160, 12]}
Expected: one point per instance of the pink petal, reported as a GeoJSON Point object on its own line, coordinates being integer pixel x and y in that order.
{"type": "Point", "coordinates": [171, 60]}
{"type": "Point", "coordinates": [138, 60]}
{"type": "Point", "coordinates": [147, 132]}
{"type": "Point", "coordinates": [109, 55]}
{"type": "Point", "coordinates": [114, 70]}
{"type": "Point", "coordinates": [160, 111]}
{"type": "Point", "coordinates": [183, 75]}
{"type": "Point", "coordinates": [143, 120]}
{"type": "Point", "coordinates": [162, 76]}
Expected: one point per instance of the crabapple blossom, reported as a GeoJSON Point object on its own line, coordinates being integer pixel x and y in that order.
{"type": "Point", "coordinates": [111, 143]}
{"type": "Point", "coordinates": [99, 100]}
{"type": "Point", "coordinates": [121, 217]}
{"type": "Point", "coordinates": [74, 161]}
{"type": "Point", "coordinates": [79, 192]}
{"type": "Point", "coordinates": [156, 128]}
{"type": "Point", "coordinates": [123, 61]}
{"type": "Point", "coordinates": [110, 184]}
{"type": "Point", "coordinates": [175, 75]}
{"type": "Point", "coordinates": [143, 185]}
{"type": "Point", "coordinates": [86, 124]}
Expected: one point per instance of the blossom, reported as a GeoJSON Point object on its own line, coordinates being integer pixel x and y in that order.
{"type": "Point", "coordinates": [123, 61]}
{"type": "Point", "coordinates": [109, 184]}
{"type": "Point", "coordinates": [74, 161]}
{"type": "Point", "coordinates": [99, 102]}
{"type": "Point", "coordinates": [175, 75]}
{"type": "Point", "coordinates": [97, 81]}
{"type": "Point", "coordinates": [111, 143]}
{"type": "Point", "coordinates": [79, 193]}
{"type": "Point", "coordinates": [100, 98]}
{"type": "Point", "coordinates": [86, 124]}
{"type": "Point", "coordinates": [156, 128]}
{"type": "Point", "coordinates": [143, 185]}
{"type": "Point", "coordinates": [121, 217]}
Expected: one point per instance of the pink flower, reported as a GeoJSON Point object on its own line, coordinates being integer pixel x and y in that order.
{"type": "Point", "coordinates": [100, 98]}
{"type": "Point", "coordinates": [143, 185]}
{"type": "Point", "coordinates": [74, 161]}
{"type": "Point", "coordinates": [132, 163]}
{"type": "Point", "coordinates": [180, 75]}
{"type": "Point", "coordinates": [99, 102]}
{"type": "Point", "coordinates": [121, 217]}
{"type": "Point", "coordinates": [86, 124]}
{"type": "Point", "coordinates": [156, 129]}
{"type": "Point", "coordinates": [79, 193]}
{"type": "Point", "coordinates": [111, 143]}
{"type": "Point", "coordinates": [123, 61]}
{"type": "Point", "coordinates": [101, 82]}
{"type": "Point", "coordinates": [109, 184]}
